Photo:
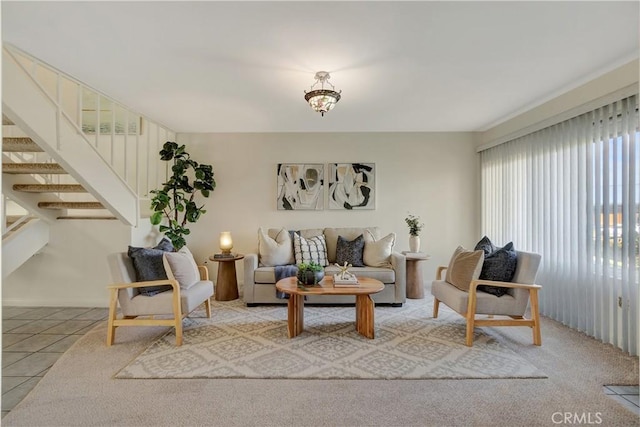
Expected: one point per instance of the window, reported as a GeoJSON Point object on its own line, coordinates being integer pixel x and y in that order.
{"type": "Point", "coordinates": [571, 192]}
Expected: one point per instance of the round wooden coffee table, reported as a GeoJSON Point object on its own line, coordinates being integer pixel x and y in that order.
{"type": "Point", "coordinates": [364, 303]}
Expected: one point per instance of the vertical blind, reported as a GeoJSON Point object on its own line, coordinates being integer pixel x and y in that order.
{"type": "Point", "coordinates": [571, 192]}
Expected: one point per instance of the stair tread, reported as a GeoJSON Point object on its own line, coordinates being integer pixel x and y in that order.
{"type": "Point", "coordinates": [20, 144]}
{"type": "Point", "coordinates": [32, 168]}
{"type": "Point", "coordinates": [49, 188]}
{"type": "Point", "coordinates": [70, 205]}
{"type": "Point", "coordinates": [87, 217]}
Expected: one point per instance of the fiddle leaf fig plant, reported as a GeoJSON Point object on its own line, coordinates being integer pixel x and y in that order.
{"type": "Point", "coordinates": [175, 202]}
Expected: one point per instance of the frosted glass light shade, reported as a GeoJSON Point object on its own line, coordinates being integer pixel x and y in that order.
{"type": "Point", "coordinates": [226, 242]}
{"type": "Point", "coordinates": [322, 100]}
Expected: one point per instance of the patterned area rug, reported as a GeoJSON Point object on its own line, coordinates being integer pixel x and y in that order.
{"type": "Point", "coordinates": [241, 342]}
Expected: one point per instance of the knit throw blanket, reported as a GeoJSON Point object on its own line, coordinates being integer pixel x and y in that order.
{"type": "Point", "coordinates": [282, 271]}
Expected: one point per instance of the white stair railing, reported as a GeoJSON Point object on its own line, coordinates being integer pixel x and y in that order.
{"type": "Point", "coordinates": [127, 141]}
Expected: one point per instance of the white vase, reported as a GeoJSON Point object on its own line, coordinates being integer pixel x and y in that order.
{"type": "Point", "coordinates": [414, 243]}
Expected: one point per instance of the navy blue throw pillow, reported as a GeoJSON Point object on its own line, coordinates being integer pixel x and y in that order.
{"type": "Point", "coordinates": [148, 265]}
{"type": "Point", "coordinates": [499, 265]}
{"type": "Point", "coordinates": [350, 252]}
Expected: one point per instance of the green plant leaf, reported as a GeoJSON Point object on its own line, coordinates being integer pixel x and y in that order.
{"type": "Point", "coordinates": [174, 202]}
{"type": "Point", "coordinates": [156, 218]}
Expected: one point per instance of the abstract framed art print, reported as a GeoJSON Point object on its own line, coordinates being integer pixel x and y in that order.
{"type": "Point", "coordinates": [352, 186]}
{"type": "Point", "coordinates": [300, 186]}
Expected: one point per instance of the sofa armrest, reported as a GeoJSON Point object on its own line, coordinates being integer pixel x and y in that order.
{"type": "Point", "coordinates": [399, 264]}
{"type": "Point", "coordinates": [250, 266]}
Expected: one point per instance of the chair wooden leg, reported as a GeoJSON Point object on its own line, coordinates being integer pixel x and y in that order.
{"type": "Point", "coordinates": [471, 317]}
{"type": "Point", "coordinates": [535, 314]}
{"type": "Point", "coordinates": [470, 327]}
{"type": "Point", "coordinates": [113, 306]}
{"type": "Point", "coordinates": [436, 306]}
{"type": "Point", "coordinates": [178, 332]}
{"type": "Point", "coordinates": [207, 306]}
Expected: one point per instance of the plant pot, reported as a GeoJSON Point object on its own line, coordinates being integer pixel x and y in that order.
{"type": "Point", "coordinates": [309, 278]}
{"type": "Point", "coordinates": [414, 243]}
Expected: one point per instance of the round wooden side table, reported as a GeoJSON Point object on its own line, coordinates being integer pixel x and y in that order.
{"type": "Point", "coordinates": [226, 288]}
{"type": "Point", "coordinates": [415, 283]}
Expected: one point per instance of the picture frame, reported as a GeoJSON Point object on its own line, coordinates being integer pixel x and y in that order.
{"type": "Point", "coordinates": [352, 186]}
{"type": "Point", "coordinates": [300, 186]}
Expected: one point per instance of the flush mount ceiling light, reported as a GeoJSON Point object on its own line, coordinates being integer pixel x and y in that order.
{"type": "Point", "coordinates": [321, 99]}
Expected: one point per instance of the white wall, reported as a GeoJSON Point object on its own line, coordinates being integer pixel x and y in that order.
{"type": "Point", "coordinates": [432, 175]}
{"type": "Point", "coordinates": [72, 270]}
{"type": "Point", "coordinates": [571, 103]}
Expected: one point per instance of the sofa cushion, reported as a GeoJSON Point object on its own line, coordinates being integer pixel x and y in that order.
{"type": "Point", "coordinates": [349, 233]}
{"type": "Point", "coordinates": [377, 252]}
{"type": "Point", "coordinates": [464, 267]}
{"type": "Point", "coordinates": [182, 267]}
{"type": "Point", "coordinates": [313, 249]}
{"type": "Point", "coordinates": [148, 265]}
{"type": "Point", "coordinates": [350, 251]}
{"type": "Point", "coordinates": [266, 275]}
{"type": "Point", "coordinates": [276, 250]}
{"type": "Point", "coordinates": [499, 265]}
{"type": "Point", "coordinates": [385, 275]}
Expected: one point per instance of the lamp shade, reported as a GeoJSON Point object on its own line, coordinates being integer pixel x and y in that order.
{"type": "Point", "coordinates": [322, 99]}
{"type": "Point", "coordinates": [226, 242]}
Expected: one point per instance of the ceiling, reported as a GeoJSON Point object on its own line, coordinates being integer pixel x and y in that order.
{"type": "Point", "coordinates": [240, 66]}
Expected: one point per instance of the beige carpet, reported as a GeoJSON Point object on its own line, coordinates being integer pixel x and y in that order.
{"type": "Point", "coordinates": [241, 342]}
{"type": "Point", "coordinates": [80, 390]}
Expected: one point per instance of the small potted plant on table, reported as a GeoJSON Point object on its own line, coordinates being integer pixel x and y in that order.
{"type": "Point", "coordinates": [414, 224]}
{"type": "Point", "coordinates": [310, 273]}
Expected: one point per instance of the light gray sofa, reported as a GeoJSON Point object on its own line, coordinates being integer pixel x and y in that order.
{"type": "Point", "coordinates": [259, 280]}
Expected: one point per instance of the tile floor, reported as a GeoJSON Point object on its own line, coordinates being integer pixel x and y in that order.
{"type": "Point", "coordinates": [625, 395]}
{"type": "Point", "coordinates": [33, 338]}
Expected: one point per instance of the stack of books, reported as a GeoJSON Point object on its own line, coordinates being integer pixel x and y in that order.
{"type": "Point", "coordinates": [223, 256]}
{"type": "Point", "coordinates": [339, 281]}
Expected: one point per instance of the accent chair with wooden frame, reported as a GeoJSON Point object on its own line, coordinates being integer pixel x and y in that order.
{"type": "Point", "coordinates": [141, 310]}
{"type": "Point", "coordinates": [522, 291]}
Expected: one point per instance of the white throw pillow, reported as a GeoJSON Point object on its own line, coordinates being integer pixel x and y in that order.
{"type": "Point", "coordinates": [278, 251]}
{"type": "Point", "coordinates": [313, 249]}
{"type": "Point", "coordinates": [182, 267]}
{"type": "Point", "coordinates": [377, 253]}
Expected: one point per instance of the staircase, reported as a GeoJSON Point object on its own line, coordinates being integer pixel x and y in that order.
{"type": "Point", "coordinates": [68, 153]}
{"type": "Point", "coordinates": [50, 187]}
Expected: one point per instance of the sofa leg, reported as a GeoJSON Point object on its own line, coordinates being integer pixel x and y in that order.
{"type": "Point", "coordinates": [252, 304]}
{"type": "Point", "coordinates": [396, 304]}
{"type": "Point", "coordinates": [436, 306]}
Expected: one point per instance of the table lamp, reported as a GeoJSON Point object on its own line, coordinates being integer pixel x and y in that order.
{"type": "Point", "coordinates": [226, 243]}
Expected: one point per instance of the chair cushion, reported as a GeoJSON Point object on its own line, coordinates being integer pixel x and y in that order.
{"type": "Point", "coordinates": [458, 300]}
{"type": "Point", "coordinates": [182, 267]}
{"type": "Point", "coordinates": [190, 299]}
{"type": "Point", "coordinates": [277, 250]}
{"type": "Point", "coordinates": [464, 267]}
{"type": "Point", "coordinates": [148, 265]}
{"type": "Point", "coordinates": [377, 252]}
{"type": "Point", "coordinates": [313, 249]}
{"type": "Point", "coordinates": [499, 265]}
{"type": "Point", "coordinates": [350, 251]}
